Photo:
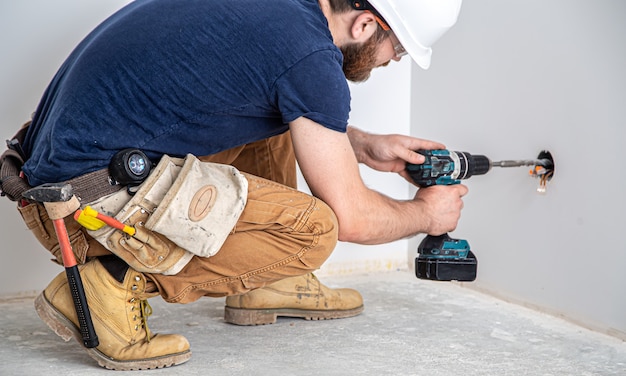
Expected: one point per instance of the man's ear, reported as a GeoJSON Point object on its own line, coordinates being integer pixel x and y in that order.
{"type": "Point", "coordinates": [363, 27]}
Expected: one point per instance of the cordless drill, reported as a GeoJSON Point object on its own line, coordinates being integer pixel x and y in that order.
{"type": "Point", "coordinates": [443, 258]}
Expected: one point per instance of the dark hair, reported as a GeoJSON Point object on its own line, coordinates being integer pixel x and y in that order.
{"type": "Point", "coordinates": [340, 6]}
{"type": "Point", "coordinates": [344, 6]}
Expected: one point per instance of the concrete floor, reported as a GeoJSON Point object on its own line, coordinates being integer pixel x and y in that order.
{"type": "Point", "coordinates": [409, 327]}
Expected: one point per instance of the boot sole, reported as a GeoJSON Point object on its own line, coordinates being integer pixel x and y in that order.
{"type": "Point", "coordinates": [242, 316]}
{"type": "Point", "coordinates": [66, 329]}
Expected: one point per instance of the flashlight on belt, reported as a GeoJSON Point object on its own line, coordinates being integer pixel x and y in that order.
{"type": "Point", "coordinates": [129, 167]}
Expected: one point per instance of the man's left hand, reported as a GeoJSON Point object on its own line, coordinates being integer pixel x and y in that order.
{"type": "Point", "coordinates": [389, 153]}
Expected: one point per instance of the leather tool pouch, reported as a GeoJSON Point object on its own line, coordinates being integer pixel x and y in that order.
{"type": "Point", "coordinates": [184, 208]}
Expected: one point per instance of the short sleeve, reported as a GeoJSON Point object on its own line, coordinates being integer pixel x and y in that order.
{"type": "Point", "coordinates": [316, 88]}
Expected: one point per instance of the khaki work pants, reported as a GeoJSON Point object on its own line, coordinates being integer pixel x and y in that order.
{"type": "Point", "coordinates": [281, 233]}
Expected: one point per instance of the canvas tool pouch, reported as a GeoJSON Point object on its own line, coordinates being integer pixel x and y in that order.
{"type": "Point", "coordinates": [186, 207]}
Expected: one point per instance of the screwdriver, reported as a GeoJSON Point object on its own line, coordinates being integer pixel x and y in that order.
{"type": "Point", "coordinates": [93, 220]}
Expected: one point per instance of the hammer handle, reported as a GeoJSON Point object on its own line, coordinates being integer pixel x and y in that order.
{"type": "Point", "coordinates": [87, 331]}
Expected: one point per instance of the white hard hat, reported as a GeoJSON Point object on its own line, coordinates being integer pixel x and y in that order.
{"type": "Point", "coordinates": [418, 24]}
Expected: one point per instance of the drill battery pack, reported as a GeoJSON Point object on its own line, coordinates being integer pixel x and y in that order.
{"type": "Point", "coordinates": [442, 258]}
{"type": "Point", "coordinates": [441, 269]}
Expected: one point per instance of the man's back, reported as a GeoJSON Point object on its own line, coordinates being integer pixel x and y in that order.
{"type": "Point", "coordinates": [178, 77]}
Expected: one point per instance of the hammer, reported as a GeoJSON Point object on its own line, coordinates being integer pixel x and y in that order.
{"type": "Point", "coordinates": [59, 201]}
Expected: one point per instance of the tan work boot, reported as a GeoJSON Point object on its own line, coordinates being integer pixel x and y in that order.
{"type": "Point", "coordinates": [303, 296]}
{"type": "Point", "coordinates": [119, 312]}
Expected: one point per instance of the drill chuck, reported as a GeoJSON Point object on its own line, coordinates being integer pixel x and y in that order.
{"type": "Point", "coordinates": [474, 164]}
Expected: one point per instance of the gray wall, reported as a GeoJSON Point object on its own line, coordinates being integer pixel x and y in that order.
{"type": "Point", "coordinates": [513, 78]}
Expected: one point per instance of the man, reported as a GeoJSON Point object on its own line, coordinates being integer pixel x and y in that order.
{"type": "Point", "coordinates": [250, 84]}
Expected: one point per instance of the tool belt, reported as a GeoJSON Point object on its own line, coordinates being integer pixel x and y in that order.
{"type": "Point", "coordinates": [12, 185]}
{"type": "Point", "coordinates": [185, 208]}
{"type": "Point", "coordinates": [87, 187]}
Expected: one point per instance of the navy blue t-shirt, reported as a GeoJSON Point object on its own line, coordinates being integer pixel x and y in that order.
{"type": "Point", "coordinates": [187, 76]}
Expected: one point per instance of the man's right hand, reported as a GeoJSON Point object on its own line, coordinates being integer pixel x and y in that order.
{"type": "Point", "coordinates": [442, 205]}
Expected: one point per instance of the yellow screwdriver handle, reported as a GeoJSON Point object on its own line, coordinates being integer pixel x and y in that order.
{"type": "Point", "coordinates": [92, 220]}
{"type": "Point", "coordinates": [88, 222]}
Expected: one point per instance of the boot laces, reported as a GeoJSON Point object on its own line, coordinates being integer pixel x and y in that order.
{"type": "Point", "coordinates": [146, 311]}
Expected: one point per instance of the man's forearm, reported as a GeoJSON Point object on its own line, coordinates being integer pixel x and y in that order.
{"type": "Point", "coordinates": [365, 216]}
{"type": "Point", "coordinates": [373, 218]}
{"type": "Point", "coordinates": [381, 219]}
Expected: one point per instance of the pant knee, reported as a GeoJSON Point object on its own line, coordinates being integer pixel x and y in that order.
{"type": "Point", "coordinates": [324, 220]}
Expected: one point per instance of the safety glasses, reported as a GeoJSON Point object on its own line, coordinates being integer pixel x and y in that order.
{"type": "Point", "coordinates": [397, 46]}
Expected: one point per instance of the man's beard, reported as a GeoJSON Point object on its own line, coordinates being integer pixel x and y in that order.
{"type": "Point", "coordinates": [360, 60]}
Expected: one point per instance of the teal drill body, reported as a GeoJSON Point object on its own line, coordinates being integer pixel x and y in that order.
{"type": "Point", "coordinates": [443, 258]}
